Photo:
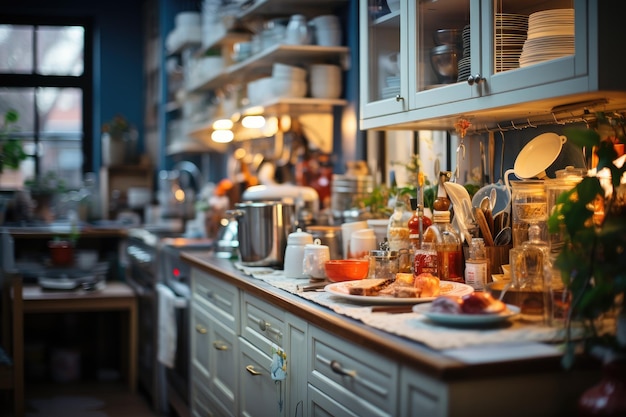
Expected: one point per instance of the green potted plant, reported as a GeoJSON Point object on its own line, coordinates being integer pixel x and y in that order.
{"type": "Point", "coordinates": [593, 259]}
{"type": "Point", "coordinates": [11, 148]}
{"type": "Point", "coordinates": [44, 189]}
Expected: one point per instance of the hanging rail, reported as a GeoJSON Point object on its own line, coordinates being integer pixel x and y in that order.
{"type": "Point", "coordinates": [585, 116]}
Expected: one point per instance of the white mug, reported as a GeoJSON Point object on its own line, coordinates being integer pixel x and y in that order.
{"type": "Point", "coordinates": [361, 243]}
{"type": "Point", "coordinates": [315, 257]}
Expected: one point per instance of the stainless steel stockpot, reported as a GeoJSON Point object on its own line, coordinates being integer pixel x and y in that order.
{"type": "Point", "coordinates": [263, 229]}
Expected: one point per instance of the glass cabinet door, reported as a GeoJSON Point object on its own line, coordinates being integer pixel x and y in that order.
{"type": "Point", "coordinates": [444, 44]}
{"type": "Point", "coordinates": [383, 72]}
{"type": "Point", "coordinates": [534, 42]}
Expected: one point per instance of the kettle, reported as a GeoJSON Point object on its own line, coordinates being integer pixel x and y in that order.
{"type": "Point", "coordinates": [294, 253]}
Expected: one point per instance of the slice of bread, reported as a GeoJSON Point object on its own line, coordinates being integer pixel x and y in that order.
{"type": "Point", "coordinates": [369, 287]}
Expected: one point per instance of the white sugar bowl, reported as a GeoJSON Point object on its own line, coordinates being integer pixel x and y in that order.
{"type": "Point", "coordinates": [294, 254]}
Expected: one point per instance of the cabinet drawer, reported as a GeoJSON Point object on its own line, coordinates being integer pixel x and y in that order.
{"type": "Point", "coordinates": [199, 331]}
{"type": "Point", "coordinates": [358, 379]}
{"type": "Point", "coordinates": [220, 296]}
{"type": "Point", "coordinates": [261, 323]}
{"type": "Point", "coordinates": [259, 394]}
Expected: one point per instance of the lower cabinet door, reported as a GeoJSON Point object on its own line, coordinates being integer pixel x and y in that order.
{"type": "Point", "coordinates": [260, 395]}
{"type": "Point", "coordinates": [201, 402]}
{"type": "Point", "coordinates": [223, 360]}
{"type": "Point", "coordinates": [321, 405]}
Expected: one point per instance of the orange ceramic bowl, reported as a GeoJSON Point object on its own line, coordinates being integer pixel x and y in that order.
{"type": "Point", "coordinates": [338, 270]}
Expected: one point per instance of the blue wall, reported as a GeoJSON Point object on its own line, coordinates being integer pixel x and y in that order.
{"type": "Point", "coordinates": [118, 55]}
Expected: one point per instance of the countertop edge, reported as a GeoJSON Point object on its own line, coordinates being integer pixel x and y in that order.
{"type": "Point", "coordinates": [404, 351]}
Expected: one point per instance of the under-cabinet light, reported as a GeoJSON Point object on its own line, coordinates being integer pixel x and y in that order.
{"type": "Point", "coordinates": [222, 136]}
{"type": "Point", "coordinates": [223, 124]}
{"type": "Point", "coordinates": [253, 122]}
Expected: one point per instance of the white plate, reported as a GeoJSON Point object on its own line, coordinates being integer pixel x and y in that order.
{"type": "Point", "coordinates": [340, 289]}
{"type": "Point", "coordinates": [466, 319]}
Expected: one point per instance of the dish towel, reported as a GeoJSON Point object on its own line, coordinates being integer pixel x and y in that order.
{"type": "Point", "coordinates": [167, 330]}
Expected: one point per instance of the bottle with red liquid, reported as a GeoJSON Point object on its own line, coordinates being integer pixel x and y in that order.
{"type": "Point", "coordinates": [447, 244]}
{"type": "Point", "coordinates": [415, 229]}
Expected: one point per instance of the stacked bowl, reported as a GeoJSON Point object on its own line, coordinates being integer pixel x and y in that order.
{"type": "Point", "coordinates": [288, 81]}
{"type": "Point", "coordinates": [445, 56]}
{"type": "Point", "coordinates": [325, 81]}
{"type": "Point", "coordinates": [326, 30]}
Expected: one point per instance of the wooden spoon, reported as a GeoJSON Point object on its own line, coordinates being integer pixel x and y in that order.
{"type": "Point", "coordinates": [484, 227]}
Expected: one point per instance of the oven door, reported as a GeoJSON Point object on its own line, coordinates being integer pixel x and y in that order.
{"type": "Point", "coordinates": [141, 276]}
{"type": "Point", "coordinates": [177, 376]}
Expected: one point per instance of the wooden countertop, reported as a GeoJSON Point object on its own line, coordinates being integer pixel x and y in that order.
{"type": "Point", "coordinates": [406, 351]}
{"type": "Point", "coordinates": [87, 231]}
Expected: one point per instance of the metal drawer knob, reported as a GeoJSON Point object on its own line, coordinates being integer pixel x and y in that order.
{"type": "Point", "coordinates": [339, 369]}
{"type": "Point", "coordinates": [201, 329]}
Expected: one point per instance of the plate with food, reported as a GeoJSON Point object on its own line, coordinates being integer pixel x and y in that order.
{"type": "Point", "coordinates": [404, 289]}
{"type": "Point", "coordinates": [475, 309]}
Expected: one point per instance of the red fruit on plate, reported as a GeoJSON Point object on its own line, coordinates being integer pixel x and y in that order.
{"type": "Point", "coordinates": [481, 303]}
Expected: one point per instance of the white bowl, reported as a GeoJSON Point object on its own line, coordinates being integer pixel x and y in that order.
{"type": "Point", "coordinates": [259, 90]}
{"type": "Point", "coordinates": [288, 71]}
{"type": "Point", "coordinates": [325, 21]}
{"type": "Point", "coordinates": [287, 87]}
{"type": "Point", "coordinates": [325, 89]}
{"type": "Point", "coordinates": [328, 37]}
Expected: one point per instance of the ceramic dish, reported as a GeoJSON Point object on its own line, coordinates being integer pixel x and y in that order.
{"type": "Point", "coordinates": [537, 156]}
{"type": "Point", "coordinates": [341, 289]}
{"type": "Point", "coordinates": [466, 319]}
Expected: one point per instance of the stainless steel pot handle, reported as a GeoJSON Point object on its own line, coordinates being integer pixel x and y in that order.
{"type": "Point", "coordinates": [234, 213]}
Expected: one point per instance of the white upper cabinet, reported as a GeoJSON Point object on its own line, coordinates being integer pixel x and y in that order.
{"type": "Point", "coordinates": [511, 61]}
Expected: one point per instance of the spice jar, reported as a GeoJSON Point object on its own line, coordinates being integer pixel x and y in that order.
{"type": "Point", "coordinates": [383, 262]}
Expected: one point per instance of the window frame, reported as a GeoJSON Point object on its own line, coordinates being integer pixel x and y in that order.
{"type": "Point", "coordinates": [84, 82]}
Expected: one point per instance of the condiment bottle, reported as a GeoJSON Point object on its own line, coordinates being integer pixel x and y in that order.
{"type": "Point", "coordinates": [448, 246]}
{"type": "Point", "coordinates": [476, 267]}
{"type": "Point", "coordinates": [425, 259]}
{"type": "Point", "coordinates": [398, 228]}
{"type": "Point", "coordinates": [442, 201]}
{"type": "Point", "coordinates": [415, 230]}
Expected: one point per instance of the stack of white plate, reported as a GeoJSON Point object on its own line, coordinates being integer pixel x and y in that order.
{"type": "Point", "coordinates": [393, 87]}
{"type": "Point", "coordinates": [510, 31]}
{"type": "Point", "coordinates": [550, 36]}
{"type": "Point", "coordinates": [464, 64]}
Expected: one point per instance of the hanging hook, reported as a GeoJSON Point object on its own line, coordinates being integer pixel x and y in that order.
{"type": "Point", "coordinates": [513, 125]}
{"type": "Point", "coordinates": [556, 121]}
{"type": "Point", "coordinates": [530, 124]}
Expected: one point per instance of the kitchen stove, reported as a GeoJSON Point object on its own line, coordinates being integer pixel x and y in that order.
{"type": "Point", "coordinates": [154, 258]}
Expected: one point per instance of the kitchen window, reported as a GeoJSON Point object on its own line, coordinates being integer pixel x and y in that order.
{"type": "Point", "coordinates": [46, 75]}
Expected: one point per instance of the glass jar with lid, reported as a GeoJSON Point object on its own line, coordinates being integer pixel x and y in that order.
{"type": "Point", "coordinates": [529, 206]}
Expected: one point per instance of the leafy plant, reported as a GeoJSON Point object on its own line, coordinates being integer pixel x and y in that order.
{"type": "Point", "coordinates": [11, 149]}
{"type": "Point", "coordinates": [48, 183]}
{"type": "Point", "coordinates": [593, 213]}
